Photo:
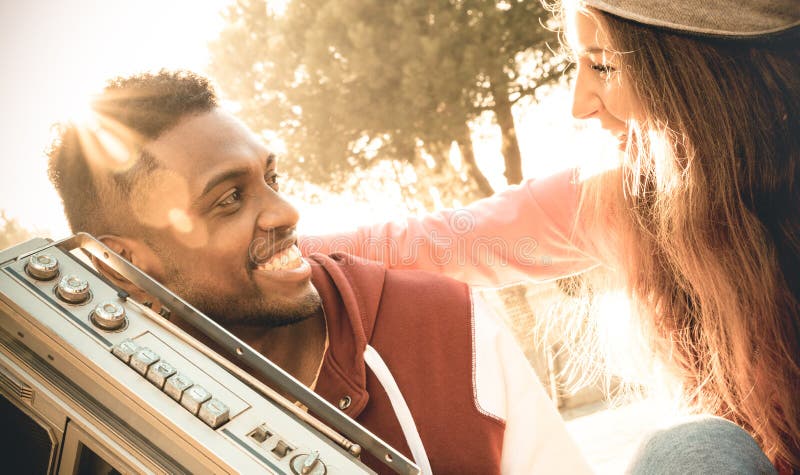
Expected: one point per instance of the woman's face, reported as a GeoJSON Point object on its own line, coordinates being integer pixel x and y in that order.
{"type": "Point", "coordinates": [602, 89]}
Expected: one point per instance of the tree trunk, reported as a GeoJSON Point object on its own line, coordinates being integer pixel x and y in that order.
{"type": "Point", "coordinates": [468, 155]}
{"type": "Point", "coordinates": [505, 119]}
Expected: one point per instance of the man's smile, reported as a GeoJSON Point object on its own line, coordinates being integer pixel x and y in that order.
{"type": "Point", "coordinates": [285, 259]}
{"type": "Point", "coordinates": [287, 265]}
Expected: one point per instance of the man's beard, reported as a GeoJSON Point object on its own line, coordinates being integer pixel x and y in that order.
{"type": "Point", "coordinates": [259, 313]}
{"type": "Point", "coordinates": [270, 316]}
{"type": "Point", "coordinates": [250, 310]}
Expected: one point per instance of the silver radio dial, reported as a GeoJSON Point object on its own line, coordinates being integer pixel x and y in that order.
{"type": "Point", "coordinates": [109, 316]}
{"type": "Point", "coordinates": [42, 266]}
{"type": "Point", "coordinates": [73, 289]}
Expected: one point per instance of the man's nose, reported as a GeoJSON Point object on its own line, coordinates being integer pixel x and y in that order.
{"type": "Point", "coordinates": [276, 212]}
{"type": "Point", "coordinates": [585, 101]}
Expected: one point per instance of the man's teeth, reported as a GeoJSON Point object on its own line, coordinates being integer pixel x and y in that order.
{"type": "Point", "coordinates": [288, 258]}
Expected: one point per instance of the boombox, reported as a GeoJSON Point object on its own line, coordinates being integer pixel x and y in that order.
{"type": "Point", "coordinates": [93, 381]}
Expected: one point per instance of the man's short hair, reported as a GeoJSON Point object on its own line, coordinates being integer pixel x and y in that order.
{"type": "Point", "coordinates": [95, 165]}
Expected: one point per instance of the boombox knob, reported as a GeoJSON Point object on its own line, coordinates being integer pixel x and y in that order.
{"type": "Point", "coordinates": [42, 266]}
{"type": "Point", "coordinates": [308, 464]}
{"type": "Point", "coordinates": [73, 289]}
{"type": "Point", "coordinates": [109, 316]}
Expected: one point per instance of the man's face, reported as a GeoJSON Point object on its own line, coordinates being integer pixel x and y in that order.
{"type": "Point", "coordinates": [224, 237]}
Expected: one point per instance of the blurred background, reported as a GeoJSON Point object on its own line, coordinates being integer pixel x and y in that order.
{"type": "Point", "coordinates": [377, 109]}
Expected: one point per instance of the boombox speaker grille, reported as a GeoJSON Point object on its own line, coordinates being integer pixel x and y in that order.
{"type": "Point", "coordinates": [25, 446]}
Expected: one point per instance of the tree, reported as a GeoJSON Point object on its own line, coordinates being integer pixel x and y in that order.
{"type": "Point", "coordinates": [11, 232]}
{"type": "Point", "coordinates": [348, 82]}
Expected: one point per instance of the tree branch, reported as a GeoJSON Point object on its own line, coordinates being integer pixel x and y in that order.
{"type": "Point", "coordinates": [524, 92]}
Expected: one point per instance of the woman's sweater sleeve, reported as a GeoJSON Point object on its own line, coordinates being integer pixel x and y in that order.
{"type": "Point", "coordinates": [525, 232]}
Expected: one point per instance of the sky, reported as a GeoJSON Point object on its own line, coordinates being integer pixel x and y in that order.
{"type": "Point", "coordinates": [55, 53]}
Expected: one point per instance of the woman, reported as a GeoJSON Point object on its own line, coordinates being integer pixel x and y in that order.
{"type": "Point", "coordinates": [705, 204]}
{"type": "Point", "coordinates": [701, 219]}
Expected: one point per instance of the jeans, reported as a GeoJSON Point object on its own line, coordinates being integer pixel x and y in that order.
{"type": "Point", "coordinates": [700, 445]}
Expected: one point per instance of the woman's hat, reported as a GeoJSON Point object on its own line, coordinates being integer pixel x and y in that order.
{"type": "Point", "coordinates": [728, 18]}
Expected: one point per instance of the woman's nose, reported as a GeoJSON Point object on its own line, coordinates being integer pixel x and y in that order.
{"type": "Point", "coordinates": [585, 101]}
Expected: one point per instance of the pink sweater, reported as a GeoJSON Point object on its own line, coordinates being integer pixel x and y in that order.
{"type": "Point", "coordinates": [525, 232]}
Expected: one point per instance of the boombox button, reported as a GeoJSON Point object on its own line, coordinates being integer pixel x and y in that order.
{"type": "Point", "coordinates": [214, 413]}
{"type": "Point", "coordinates": [281, 449]}
{"type": "Point", "coordinates": [142, 359]}
{"type": "Point", "coordinates": [159, 372]}
{"type": "Point", "coordinates": [176, 385]}
{"type": "Point", "coordinates": [193, 397]}
{"type": "Point", "coordinates": [125, 349]}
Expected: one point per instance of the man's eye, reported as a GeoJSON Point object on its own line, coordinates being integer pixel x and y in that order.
{"type": "Point", "coordinates": [272, 180]}
{"type": "Point", "coordinates": [232, 198]}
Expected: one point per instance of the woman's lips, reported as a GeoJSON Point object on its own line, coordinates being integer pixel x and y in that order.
{"type": "Point", "coordinates": [622, 141]}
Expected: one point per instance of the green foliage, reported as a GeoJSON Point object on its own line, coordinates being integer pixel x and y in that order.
{"type": "Point", "coordinates": [346, 83]}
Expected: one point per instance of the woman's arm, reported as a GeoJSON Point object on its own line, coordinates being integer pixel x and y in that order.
{"type": "Point", "coordinates": [525, 232]}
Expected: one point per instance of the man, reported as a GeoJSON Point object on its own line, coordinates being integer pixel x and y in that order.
{"type": "Point", "coordinates": [173, 183]}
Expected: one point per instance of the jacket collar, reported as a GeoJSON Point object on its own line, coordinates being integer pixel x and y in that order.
{"type": "Point", "coordinates": [350, 289]}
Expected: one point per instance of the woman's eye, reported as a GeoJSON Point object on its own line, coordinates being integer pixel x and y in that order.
{"type": "Point", "coordinates": [232, 198]}
{"type": "Point", "coordinates": [603, 69]}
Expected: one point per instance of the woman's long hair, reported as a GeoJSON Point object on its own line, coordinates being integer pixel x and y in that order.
{"type": "Point", "coordinates": [706, 218]}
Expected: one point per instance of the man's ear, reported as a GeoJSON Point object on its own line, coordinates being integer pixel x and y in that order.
{"type": "Point", "coordinates": [134, 251]}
